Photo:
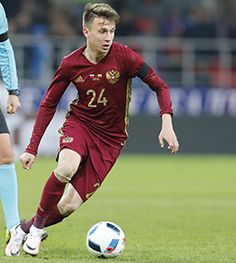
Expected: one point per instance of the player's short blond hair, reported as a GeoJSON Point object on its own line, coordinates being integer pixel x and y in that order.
{"type": "Point", "coordinates": [91, 11]}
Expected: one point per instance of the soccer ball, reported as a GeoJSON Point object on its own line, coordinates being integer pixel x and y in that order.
{"type": "Point", "coordinates": [105, 239]}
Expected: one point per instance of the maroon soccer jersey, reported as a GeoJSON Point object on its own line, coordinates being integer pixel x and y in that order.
{"type": "Point", "coordinates": [104, 91]}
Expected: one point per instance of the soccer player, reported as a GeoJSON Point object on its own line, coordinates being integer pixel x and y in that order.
{"type": "Point", "coordinates": [95, 128]}
{"type": "Point", "coordinates": [8, 179]}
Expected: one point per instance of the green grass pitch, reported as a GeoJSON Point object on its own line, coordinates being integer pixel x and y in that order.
{"type": "Point", "coordinates": [173, 209]}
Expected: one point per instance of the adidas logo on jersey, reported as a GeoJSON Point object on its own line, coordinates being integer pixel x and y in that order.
{"type": "Point", "coordinates": [79, 79]}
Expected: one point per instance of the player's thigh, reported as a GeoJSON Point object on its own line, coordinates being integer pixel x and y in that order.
{"type": "Point", "coordinates": [6, 149]}
{"type": "Point", "coordinates": [68, 163]}
{"type": "Point", "coordinates": [70, 201]}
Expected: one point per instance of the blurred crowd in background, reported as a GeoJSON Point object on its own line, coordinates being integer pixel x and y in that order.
{"type": "Point", "coordinates": [167, 18]}
{"type": "Point", "coordinates": [182, 64]}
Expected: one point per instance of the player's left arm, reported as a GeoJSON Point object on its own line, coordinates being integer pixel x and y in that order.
{"type": "Point", "coordinates": [167, 133]}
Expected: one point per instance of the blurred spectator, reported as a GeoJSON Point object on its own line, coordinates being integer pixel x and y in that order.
{"type": "Point", "coordinates": [172, 24]}
{"type": "Point", "coordinates": [12, 7]}
{"type": "Point", "coordinates": [59, 23]}
{"type": "Point", "coordinates": [127, 26]}
{"type": "Point", "coordinates": [200, 24]}
{"type": "Point", "coordinates": [231, 30]}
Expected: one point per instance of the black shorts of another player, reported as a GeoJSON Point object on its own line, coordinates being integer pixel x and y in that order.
{"type": "Point", "coordinates": [3, 124]}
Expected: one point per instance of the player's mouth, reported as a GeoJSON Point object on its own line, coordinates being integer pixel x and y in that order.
{"type": "Point", "coordinates": [106, 46]}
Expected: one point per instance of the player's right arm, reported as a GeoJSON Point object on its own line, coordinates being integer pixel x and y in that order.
{"type": "Point", "coordinates": [47, 108]}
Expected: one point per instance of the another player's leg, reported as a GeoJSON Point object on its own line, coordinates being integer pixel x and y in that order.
{"type": "Point", "coordinates": [68, 164]}
{"type": "Point", "coordinates": [14, 245]}
{"type": "Point", "coordinates": [8, 181]}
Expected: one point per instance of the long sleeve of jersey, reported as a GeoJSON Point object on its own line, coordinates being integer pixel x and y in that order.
{"type": "Point", "coordinates": [161, 89]}
{"type": "Point", "coordinates": [47, 109]}
{"type": "Point", "coordinates": [135, 64]}
{"type": "Point", "coordinates": [7, 59]}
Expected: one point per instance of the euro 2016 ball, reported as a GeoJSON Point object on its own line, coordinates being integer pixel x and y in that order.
{"type": "Point", "coordinates": [105, 239]}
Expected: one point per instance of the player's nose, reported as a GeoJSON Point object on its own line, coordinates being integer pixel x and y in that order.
{"type": "Point", "coordinates": [109, 37]}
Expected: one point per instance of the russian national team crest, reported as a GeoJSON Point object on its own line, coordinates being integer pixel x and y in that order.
{"type": "Point", "coordinates": [113, 76]}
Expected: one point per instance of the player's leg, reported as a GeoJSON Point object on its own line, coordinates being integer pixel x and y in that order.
{"type": "Point", "coordinates": [8, 183]}
{"type": "Point", "coordinates": [68, 164]}
{"type": "Point", "coordinates": [76, 146]}
{"type": "Point", "coordinates": [8, 179]}
{"type": "Point", "coordinates": [84, 183]}
{"type": "Point", "coordinates": [69, 202]}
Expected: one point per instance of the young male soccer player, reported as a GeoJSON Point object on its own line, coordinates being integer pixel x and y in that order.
{"type": "Point", "coordinates": [8, 179]}
{"type": "Point", "coordinates": [95, 128]}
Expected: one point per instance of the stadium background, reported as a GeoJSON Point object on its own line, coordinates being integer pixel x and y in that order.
{"type": "Point", "coordinates": [191, 44]}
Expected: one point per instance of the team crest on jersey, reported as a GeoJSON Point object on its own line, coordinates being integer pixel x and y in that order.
{"type": "Point", "coordinates": [113, 76]}
{"type": "Point", "coordinates": [67, 139]}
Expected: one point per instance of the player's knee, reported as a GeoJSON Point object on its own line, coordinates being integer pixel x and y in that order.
{"type": "Point", "coordinates": [7, 158]}
{"type": "Point", "coordinates": [64, 173]}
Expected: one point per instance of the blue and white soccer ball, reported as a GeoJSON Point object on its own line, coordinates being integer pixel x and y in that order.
{"type": "Point", "coordinates": [105, 239]}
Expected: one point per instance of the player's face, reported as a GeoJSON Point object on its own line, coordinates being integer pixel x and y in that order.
{"type": "Point", "coordinates": [100, 35]}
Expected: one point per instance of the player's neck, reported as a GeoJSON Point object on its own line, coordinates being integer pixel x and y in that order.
{"type": "Point", "coordinates": [92, 56]}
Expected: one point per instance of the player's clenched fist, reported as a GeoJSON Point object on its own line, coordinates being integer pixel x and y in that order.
{"type": "Point", "coordinates": [13, 104]}
{"type": "Point", "coordinates": [27, 159]}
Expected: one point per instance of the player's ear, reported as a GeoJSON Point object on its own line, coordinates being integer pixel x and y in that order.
{"type": "Point", "coordinates": [85, 31]}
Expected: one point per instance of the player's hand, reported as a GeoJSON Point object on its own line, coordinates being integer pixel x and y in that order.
{"type": "Point", "coordinates": [170, 137]}
{"type": "Point", "coordinates": [27, 160]}
{"type": "Point", "coordinates": [167, 134]}
{"type": "Point", "coordinates": [13, 104]}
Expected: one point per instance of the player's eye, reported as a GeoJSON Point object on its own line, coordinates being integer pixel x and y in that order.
{"type": "Point", "coordinates": [102, 30]}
